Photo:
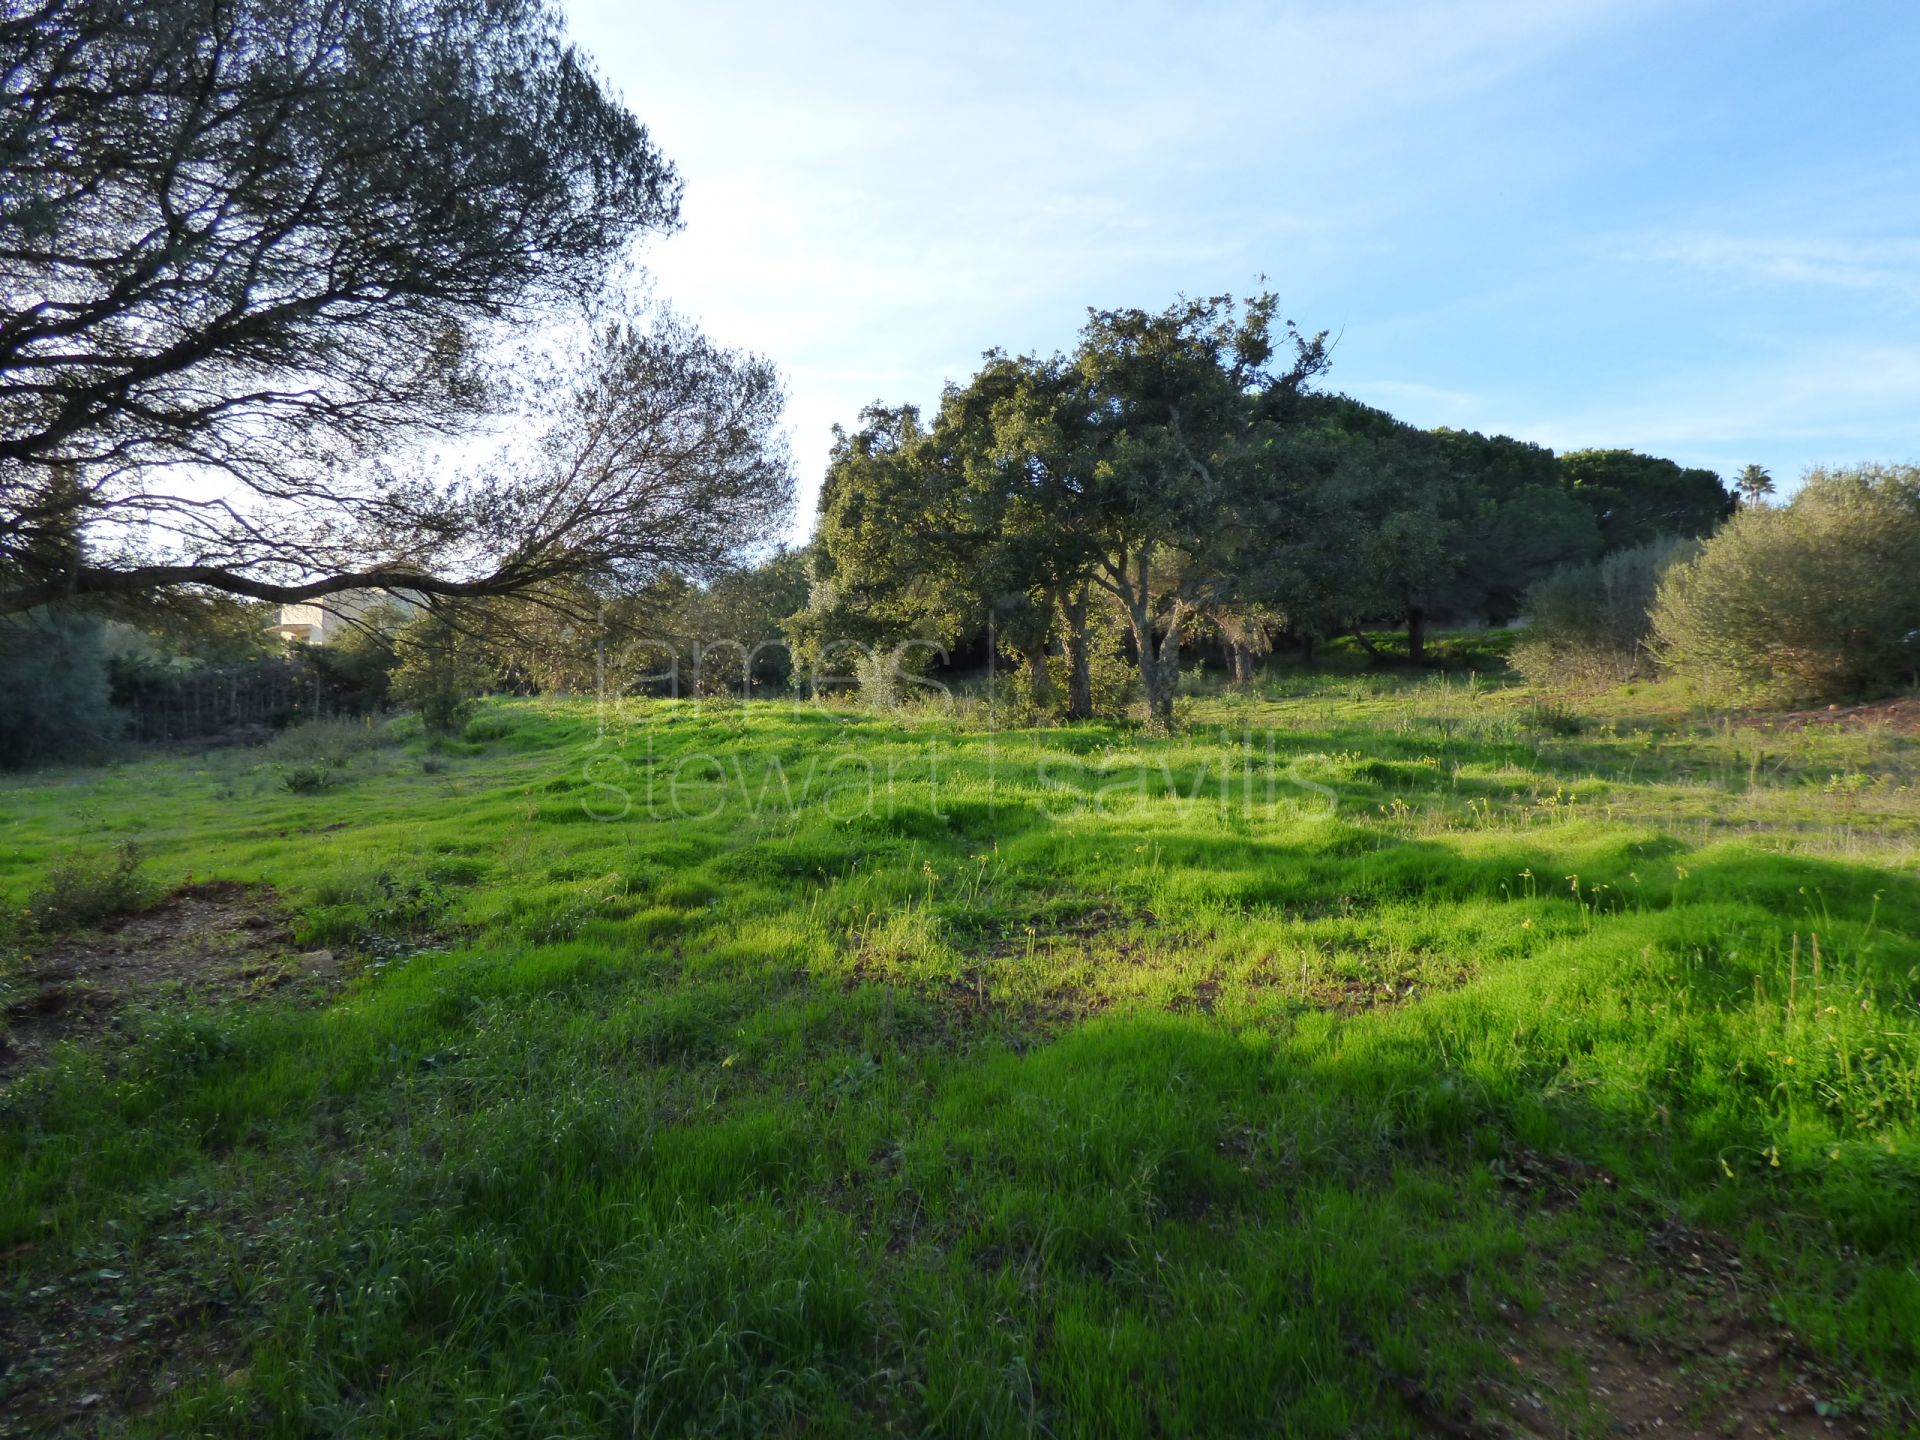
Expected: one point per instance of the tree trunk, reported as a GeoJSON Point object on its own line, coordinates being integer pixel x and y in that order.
{"type": "Point", "coordinates": [1365, 644]}
{"type": "Point", "coordinates": [1164, 682]}
{"type": "Point", "coordinates": [1242, 658]}
{"type": "Point", "coordinates": [1306, 651]}
{"type": "Point", "coordinates": [1160, 681]}
{"type": "Point", "coordinates": [1079, 662]}
{"type": "Point", "coordinates": [1154, 678]}
{"type": "Point", "coordinates": [1159, 664]}
{"type": "Point", "coordinates": [1416, 635]}
{"type": "Point", "coordinates": [1039, 677]}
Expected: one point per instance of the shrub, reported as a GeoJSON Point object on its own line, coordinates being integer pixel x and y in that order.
{"type": "Point", "coordinates": [310, 778]}
{"type": "Point", "coordinates": [84, 889]}
{"type": "Point", "coordinates": [55, 697]}
{"type": "Point", "coordinates": [1588, 624]}
{"type": "Point", "coordinates": [895, 678]}
{"type": "Point", "coordinates": [1812, 600]}
{"type": "Point", "coordinates": [484, 728]}
{"type": "Point", "coordinates": [878, 676]}
{"type": "Point", "coordinates": [327, 742]}
{"type": "Point", "coordinates": [1553, 719]}
{"type": "Point", "coordinates": [1113, 680]}
{"type": "Point", "coordinates": [441, 669]}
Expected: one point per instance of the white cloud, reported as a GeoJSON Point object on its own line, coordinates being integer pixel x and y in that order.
{"type": "Point", "coordinates": [1890, 267]}
{"type": "Point", "coordinates": [1835, 403]}
{"type": "Point", "coordinates": [877, 194]}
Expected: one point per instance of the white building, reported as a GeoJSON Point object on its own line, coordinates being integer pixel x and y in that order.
{"type": "Point", "coordinates": [321, 622]}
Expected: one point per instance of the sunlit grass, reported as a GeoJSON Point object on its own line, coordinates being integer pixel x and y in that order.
{"type": "Point", "coordinates": [759, 1069]}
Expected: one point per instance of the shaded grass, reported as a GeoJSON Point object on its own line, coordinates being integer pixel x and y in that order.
{"type": "Point", "coordinates": [759, 1070]}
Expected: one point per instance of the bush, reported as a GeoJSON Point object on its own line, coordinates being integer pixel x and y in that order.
{"type": "Point", "coordinates": [310, 778]}
{"type": "Point", "coordinates": [1813, 600]}
{"type": "Point", "coordinates": [1588, 624]}
{"type": "Point", "coordinates": [892, 679]}
{"type": "Point", "coordinates": [55, 699]}
{"type": "Point", "coordinates": [1554, 719]}
{"type": "Point", "coordinates": [311, 756]}
{"type": "Point", "coordinates": [881, 685]}
{"type": "Point", "coordinates": [441, 670]}
{"type": "Point", "coordinates": [84, 889]}
{"type": "Point", "coordinates": [1113, 680]}
{"type": "Point", "coordinates": [484, 728]}
{"type": "Point", "coordinates": [357, 668]}
{"type": "Point", "coordinates": [326, 742]}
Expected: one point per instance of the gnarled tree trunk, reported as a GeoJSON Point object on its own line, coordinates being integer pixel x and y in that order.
{"type": "Point", "coordinates": [1073, 610]}
{"type": "Point", "coordinates": [1129, 577]}
{"type": "Point", "coordinates": [1159, 665]}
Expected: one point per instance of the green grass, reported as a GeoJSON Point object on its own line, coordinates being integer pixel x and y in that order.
{"type": "Point", "coordinates": [930, 1079]}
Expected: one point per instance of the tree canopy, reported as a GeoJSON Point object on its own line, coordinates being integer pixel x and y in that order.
{"type": "Point", "coordinates": [1636, 498]}
{"type": "Point", "coordinates": [1180, 467]}
{"type": "Point", "coordinates": [1753, 484]}
{"type": "Point", "coordinates": [250, 247]}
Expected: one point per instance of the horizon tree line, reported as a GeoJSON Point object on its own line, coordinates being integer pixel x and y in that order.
{"type": "Point", "coordinates": [1181, 468]}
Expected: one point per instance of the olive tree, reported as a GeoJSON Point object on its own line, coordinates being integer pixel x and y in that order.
{"type": "Point", "coordinates": [1810, 600]}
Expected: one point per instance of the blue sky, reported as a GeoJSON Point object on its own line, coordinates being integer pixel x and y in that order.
{"type": "Point", "coordinates": [1691, 227]}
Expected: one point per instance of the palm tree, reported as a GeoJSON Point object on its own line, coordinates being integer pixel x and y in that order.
{"type": "Point", "coordinates": [1754, 485]}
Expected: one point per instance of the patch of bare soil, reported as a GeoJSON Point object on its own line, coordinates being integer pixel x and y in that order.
{"type": "Point", "coordinates": [81, 1351]}
{"type": "Point", "coordinates": [85, 1352]}
{"type": "Point", "coordinates": [1695, 1354]}
{"type": "Point", "coordinates": [974, 996]}
{"type": "Point", "coordinates": [1901, 716]}
{"type": "Point", "coordinates": [1391, 982]}
{"type": "Point", "coordinates": [219, 941]}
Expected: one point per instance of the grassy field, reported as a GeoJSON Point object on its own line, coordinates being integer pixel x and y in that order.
{"type": "Point", "coordinates": [1382, 1056]}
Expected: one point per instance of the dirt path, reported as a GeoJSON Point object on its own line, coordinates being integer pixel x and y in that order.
{"type": "Point", "coordinates": [217, 941]}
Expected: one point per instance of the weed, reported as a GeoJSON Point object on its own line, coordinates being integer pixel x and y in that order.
{"type": "Point", "coordinates": [310, 778]}
{"type": "Point", "coordinates": [327, 742]}
{"type": "Point", "coordinates": [1554, 718]}
{"type": "Point", "coordinates": [86, 887]}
